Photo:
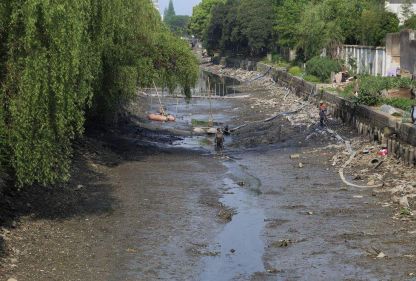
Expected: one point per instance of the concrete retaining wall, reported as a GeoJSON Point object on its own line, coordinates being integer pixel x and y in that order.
{"type": "Point", "coordinates": [408, 50]}
{"type": "Point", "coordinates": [368, 121]}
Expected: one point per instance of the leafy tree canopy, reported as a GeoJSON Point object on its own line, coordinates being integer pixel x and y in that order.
{"type": "Point", "coordinates": [201, 16]}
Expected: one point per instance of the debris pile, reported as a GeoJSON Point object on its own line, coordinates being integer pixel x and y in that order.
{"type": "Point", "coordinates": [369, 166]}
{"type": "Point", "coordinates": [372, 166]}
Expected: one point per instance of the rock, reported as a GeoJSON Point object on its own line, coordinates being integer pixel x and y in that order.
{"type": "Point", "coordinates": [282, 244]}
{"type": "Point", "coordinates": [273, 270]}
{"type": "Point", "coordinates": [390, 110]}
{"type": "Point", "coordinates": [11, 279]}
{"type": "Point", "coordinates": [14, 224]}
{"type": "Point", "coordinates": [381, 255]}
{"type": "Point", "coordinates": [294, 156]}
{"type": "Point", "coordinates": [198, 130]}
{"type": "Point", "coordinates": [300, 165]}
{"type": "Point", "coordinates": [241, 183]}
{"type": "Point", "coordinates": [404, 202]}
{"type": "Point", "coordinates": [232, 251]}
{"type": "Point", "coordinates": [226, 215]}
{"type": "Point", "coordinates": [371, 183]}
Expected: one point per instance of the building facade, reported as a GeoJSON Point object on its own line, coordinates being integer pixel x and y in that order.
{"type": "Point", "coordinates": [395, 6]}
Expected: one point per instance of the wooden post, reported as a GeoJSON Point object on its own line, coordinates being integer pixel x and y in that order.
{"type": "Point", "coordinates": [412, 157]}
{"type": "Point", "coordinates": [393, 148]}
{"type": "Point", "coordinates": [399, 150]}
{"type": "Point", "coordinates": [389, 146]}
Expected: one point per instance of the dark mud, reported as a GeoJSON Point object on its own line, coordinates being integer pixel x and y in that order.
{"type": "Point", "coordinates": [153, 202]}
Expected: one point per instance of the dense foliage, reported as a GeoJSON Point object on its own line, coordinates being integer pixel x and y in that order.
{"type": "Point", "coordinates": [371, 88]}
{"type": "Point", "coordinates": [410, 23]}
{"type": "Point", "coordinates": [309, 26]}
{"type": "Point", "coordinates": [322, 67]}
{"type": "Point", "coordinates": [64, 61]}
{"type": "Point", "coordinates": [201, 16]}
{"type": "Point", "coordinates": [241, 27]}
{"type": "Point", "coordinates": [330, 24]}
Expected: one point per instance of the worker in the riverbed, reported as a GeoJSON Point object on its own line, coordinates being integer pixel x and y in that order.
{"type": "Point", "coordinates": [219, 140]}
{"type": "Point", "coordinates": [323, 119]}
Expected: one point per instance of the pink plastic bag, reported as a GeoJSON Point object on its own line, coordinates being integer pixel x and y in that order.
{"type": "Point", "coordinates": [383, 152]}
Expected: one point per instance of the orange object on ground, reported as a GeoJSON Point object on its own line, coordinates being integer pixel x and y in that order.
{"type": "Point", "coordinates": [161, 117]}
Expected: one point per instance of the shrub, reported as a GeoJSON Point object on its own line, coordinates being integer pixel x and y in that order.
{"type": "Point", "coordinates": [372, 86]}
{"type": "Point", "coordinates": [312, 78]}
{"type": "Point", "coordinates": [279, 61]}
{"type": "Point", "coordinates": [402, 103]}
{"type": "Point", "coordinates": [397, 82]}
{"type": "Point", "coordinates": [322, 67]}
{"type": "Point", "coordinates": [370, 89]}
{"type": "Point", "coordinates": [296, 71]}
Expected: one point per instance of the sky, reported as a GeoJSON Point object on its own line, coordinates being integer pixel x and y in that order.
{"type": "Point", "coordinates": [182, 7]}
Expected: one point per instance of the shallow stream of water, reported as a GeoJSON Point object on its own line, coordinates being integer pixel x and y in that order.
{"type": "Point", "coordinates": [239, 244]}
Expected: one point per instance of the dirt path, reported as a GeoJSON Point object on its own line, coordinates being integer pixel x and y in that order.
{"type": "Point", "coordinates": [146, 205]}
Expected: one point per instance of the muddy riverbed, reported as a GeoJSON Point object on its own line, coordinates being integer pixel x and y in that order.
{"type": "Point", "coordinates": [154, 202]}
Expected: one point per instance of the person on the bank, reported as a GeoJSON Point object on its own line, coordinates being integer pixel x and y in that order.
{"type": "Point", "coordinates": [322, 113]}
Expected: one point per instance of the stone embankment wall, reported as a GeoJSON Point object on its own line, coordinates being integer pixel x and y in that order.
{"type": "Point", "coordinates": [377, 126]}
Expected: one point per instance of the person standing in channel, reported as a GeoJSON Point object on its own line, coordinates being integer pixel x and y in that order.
{"type": "Point", "coordinates": [219, 140]}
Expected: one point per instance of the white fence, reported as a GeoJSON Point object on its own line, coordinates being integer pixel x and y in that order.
{"type": "Point", "coordinates": [368, 59]}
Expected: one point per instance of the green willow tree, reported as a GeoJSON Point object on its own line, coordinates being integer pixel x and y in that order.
{"type": "Point", "coordinates": [62, 62]}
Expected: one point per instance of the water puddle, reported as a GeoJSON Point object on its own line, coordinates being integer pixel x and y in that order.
{"type": "Point", "coordinates": [239, 244]}
{"type": "Point", "coordinates": [195, 143]}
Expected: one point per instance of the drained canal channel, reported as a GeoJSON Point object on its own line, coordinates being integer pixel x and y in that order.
{"type": "Point", "coordinates": [156, 201]}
